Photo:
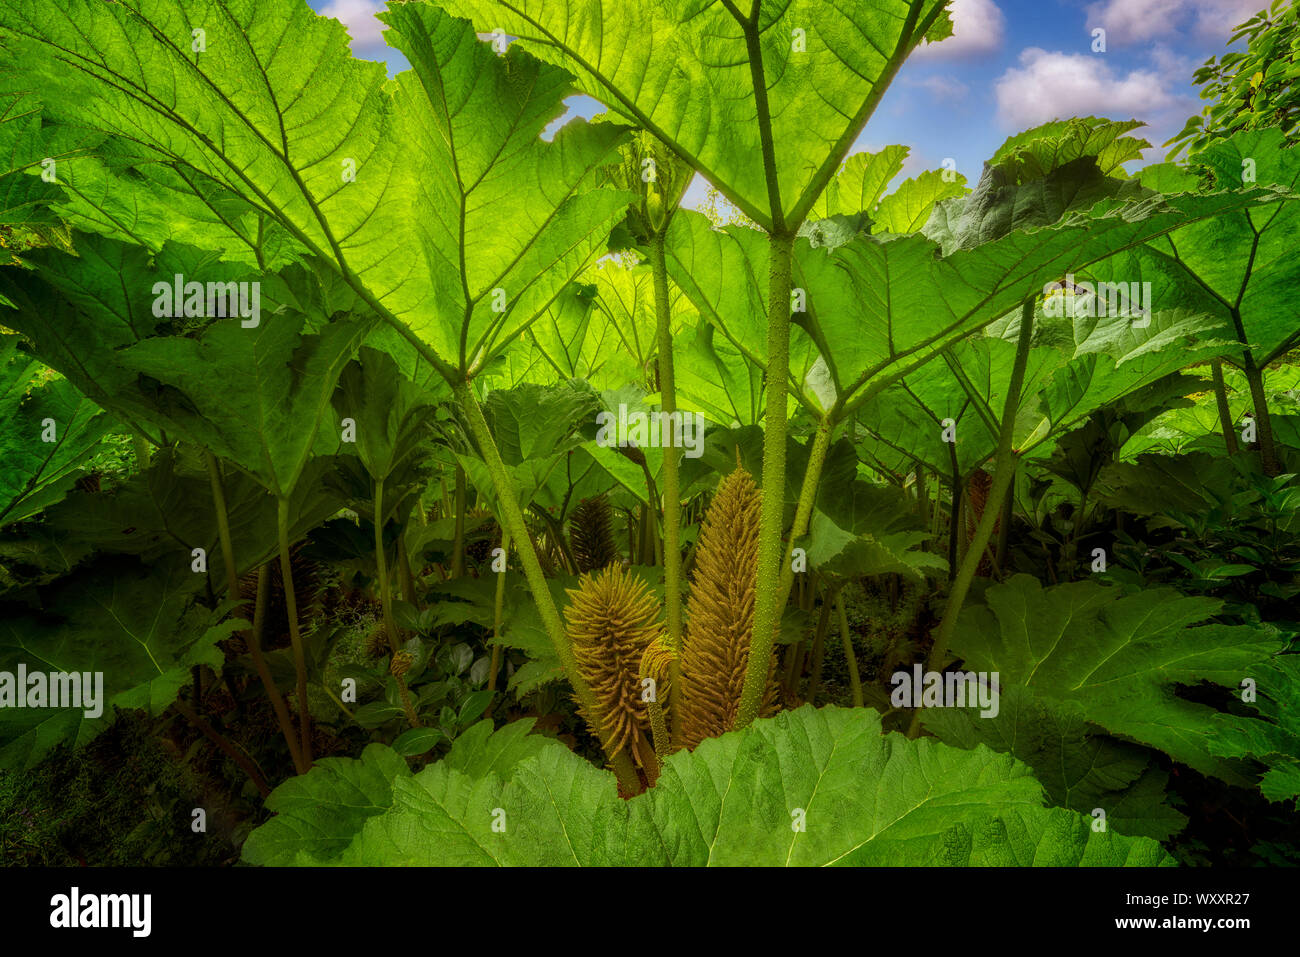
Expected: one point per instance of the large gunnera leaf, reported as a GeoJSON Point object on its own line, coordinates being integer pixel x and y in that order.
{"type": "Point", "coordinates": [26, 150]}
{"type": "Point", "coordinates": [875, 309]}
{"type": "Point", "coordinates": [808, 787]}
{"type": "Point", "coordinates": [255, 396]}
{"type": "Point", "coordinates": [165, 511]}
{"type": "Point", "coordinates": [139, 626]}
{"type": "Point", "coordinates": [433, 196]}
{"type": "Point", "coordinates": [712, 80]}
{"type": "Point", "coordinates": [82, 312]}
{"type": "Point", "coordinates": [1243, 261]}
{"type": "Point", "coordinates": [1082, 365]}
{"type": "Point", "coordinates": [48, 430]}
{"type": "Point", "coordinates": [1080, 766]}
{"type": "Point", "coordinates": [1119, 658]}
{"type": "Point", "coordinates": [1274, 741]}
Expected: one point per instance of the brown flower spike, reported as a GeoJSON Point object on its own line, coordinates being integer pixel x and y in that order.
{"type": "Point", "coordinates": [612, 618]}
{"type": "Point", "coordinates": [591, 535]}
{"type": "Point", "coordinates": [720, 613]}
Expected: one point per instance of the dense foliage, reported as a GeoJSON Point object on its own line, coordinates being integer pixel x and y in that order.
{"type": "Point", "coordinates": [1254, 88]}
{"type": "Point", "coordinates": [437, 489]}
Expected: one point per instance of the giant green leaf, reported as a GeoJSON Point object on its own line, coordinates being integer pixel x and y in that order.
{"type": "Point", "coordinates": [723, 272]}
{"type": "Point", "coordinates": [317, 814]}
{"type": "Point", "coordinates": [140, 626]}
{"type": "Point", "coordinates": [133, 70]}
{"type": "Point", "coordinates": [1243, 262]}
{"type": "Point", "coordinates": [1118, 657]}
{"type": "Point", "coordinates": [723, 87]}
{"type": "Point", "coordinates": [535, 428]}
{"type": "Point", "coordinates": [1034, 153]}
{"type": "Point", "coordinates": [908, 208]}
{"type": "Point", "coordinates": [1274, 740]}
{"type": "Point", "coordinates": [1079, 767]}
{"type": "Point", "coordinates": [1077, 366]}
{"type": "Point", "coordinates": [167, 510]}
{"type": "Point", "coordinates": [879, 307]}
{"type": "Point", "coordinates": [809, 787]}
{"type": "Point", "coordinates": [82, 311]}
{"type": "Point", "coordinates": [1004, 200]}
{"type": "Point", "coordinates": [128, 192]}
{"type": "Point", "coordinates": [31, 156]}
{"type": "Point", "coordinates": [858, 189]}
{"type": "Point", "coordinates": [714, 379]}
{"type": "Point", "coordinates": [402, 189]}
{"type": "Point", "coordinates": [49, 430]}
{"type": "Point", "coordinates": [860, 183]}
{"type": "Point", "coordinates": [833, 550]}
{"type": "Point", "coordinates": [391, 414]}
{"type": "Point", "coordinates": [255, 396]}
{"type": "Point", "coordinates": [506, 218]}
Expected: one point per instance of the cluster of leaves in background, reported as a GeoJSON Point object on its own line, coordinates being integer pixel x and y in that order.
{"type": "Point", "coordinates": [1250, 89]}
{"type": "Point", "coordinates": [449, 298]}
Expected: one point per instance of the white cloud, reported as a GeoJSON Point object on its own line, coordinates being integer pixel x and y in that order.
{"type": "Point", "coordinates": [1217, 17]}
{"type": "Point", "coordinates": [944, 88]}
{"type": "Point", "coordinates": [978, 26]}
{"type": "Point", "coordinates": [359, 17]}
{"type": "Point", "coordinates": [1048, 86]}
{"type": "Point", "coordinates": [1176, 67]}
{"type": "Point", "coordinates": [1137, 21]}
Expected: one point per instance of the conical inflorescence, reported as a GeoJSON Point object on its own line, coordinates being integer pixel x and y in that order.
{"type": "Point", "coordinates": [612, 618]}
{"type": "Point", "coordinates": [591, 535]}
{"type": "Point", "coordinates": [720, 613]}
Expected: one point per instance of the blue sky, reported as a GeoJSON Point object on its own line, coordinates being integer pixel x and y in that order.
{"type": "Point", "coordinates": [1010, 65]}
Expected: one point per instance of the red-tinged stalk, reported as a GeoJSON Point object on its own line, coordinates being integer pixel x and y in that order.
{"type": "Point", "coordinates": [458, 539]}
{"type": "Point", "coordinates": [855, 681]}
{"type": "Point", "coordinates": [252, 637]}
{"type": "Point", "coordinates": [295, 634]}
{"type": "Point", "coordinates": [1221, 404]}
{"type": "Point", "coordinates": [381, 565]}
